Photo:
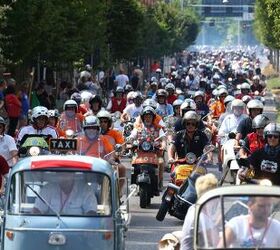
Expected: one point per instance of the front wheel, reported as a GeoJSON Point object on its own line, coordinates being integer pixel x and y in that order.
{"type": "Point", "coordinates": [163, 209]}
{"type": "Point", "coordinates": [145, 198]}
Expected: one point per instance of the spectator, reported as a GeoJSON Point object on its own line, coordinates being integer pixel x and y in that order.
{"type": "Point", "coordinates": [121, 79]}
{"type": "Point", "coordinates": [3, 111]}
{"type": "Point", "coordinates": [135, 81]}
{"type": "Point", "coordinates": [42, 96]}
{"type": "Point", "coordinates": [25, 105]}
{"type": "Point", "coordinates": [13, 106]}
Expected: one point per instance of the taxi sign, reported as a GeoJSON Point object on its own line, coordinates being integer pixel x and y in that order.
{"type": "Point", "coordinates": [63, 144]}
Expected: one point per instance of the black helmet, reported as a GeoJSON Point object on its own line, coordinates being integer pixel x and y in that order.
{"type": "Point", "coordinates": [95, 98]}
{"type": "Point", "coordinates": [76, 97]}
{"type": "Point", "coordinates": [128, 88]}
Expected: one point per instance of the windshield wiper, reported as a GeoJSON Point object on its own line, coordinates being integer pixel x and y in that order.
{"type": "Point", "coordinates": [43, 200]}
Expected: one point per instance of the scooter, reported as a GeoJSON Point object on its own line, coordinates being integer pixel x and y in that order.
{"type": "Point", "coordinates": [145, 163]}
{"type": "Point", "coordinates": [177, 200]}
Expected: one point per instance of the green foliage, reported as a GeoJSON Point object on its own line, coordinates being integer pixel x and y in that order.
{"type": "Point", "coordinates": [267, 22]}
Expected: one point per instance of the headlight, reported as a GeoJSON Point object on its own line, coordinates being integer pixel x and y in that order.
{"type": "Point", "coordinates": [34, 151]}
{"type": "Point", "coordinates": [69, 133]}
{"type": "Point", "coordinates": [146, 146]}
{"type": "Point", "coordinates": [265, 182]}
{"type": "Point", "coordinates": [190, 158]}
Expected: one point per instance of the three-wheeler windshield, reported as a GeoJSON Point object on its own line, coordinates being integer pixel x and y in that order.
{"type": "Point", "coordinates": [239, 222]}
{"type": "Point", "coordinates": [71, 193]}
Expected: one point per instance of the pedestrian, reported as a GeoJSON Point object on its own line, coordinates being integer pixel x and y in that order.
{"type": "Point", "coordinates": [121, 79]}
{"type": "Point", "coordinates": [25, 105]}
{"type": "Point", "coordinates": [13, 106]}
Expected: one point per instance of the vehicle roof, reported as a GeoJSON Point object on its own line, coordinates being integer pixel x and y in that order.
{"type": "Point", "coordinates": [239, 190]}
{"type": "Point", "coordinates": [79, 162]}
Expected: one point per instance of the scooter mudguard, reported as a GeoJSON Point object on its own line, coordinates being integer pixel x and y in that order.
{"type": "Point", "coordinates": [143, 178]}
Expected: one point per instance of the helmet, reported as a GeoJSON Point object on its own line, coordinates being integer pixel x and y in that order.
{"type": "Point", "coordinates": [119, 89]}
{"type": "Point", "coordinates": [188, 104]}
{"type": "Point", "coordinates": [76, 97]}
{"type": "Point", "coordinates": [260, 121]}
{"type": "Point", "coordinates": [222, 91]}
{"type": "Point", "coordinates": [237, 103]}
{"type": "Point", "coordinates": [256, 78]}
{"type": "Point", "coordinates": [53, 113]}
{"type": "Point", "coordinates": [191, 115]}
{"type": "Point", "coordinates": [130, 95]}
{"type": "Point", "coordinates": [245, 85]}
{"type": "Point", "coordinates": [254, 104]}
{"type": "Point", "coordinates": [198, 93]}
{"type": "Point", "coordinates": [148, 110]}
{"type": "Point", "coordinates": [137, 94]}
{"type": "Point", "coordinates": [88, 67]}
{"type": "Point", "coordinates": [158, 70]}
{"type": "Point", "coordinates": [177, 102]}
{"type": "Point", "coordinates": [150, 103]}
{"type": "Point", "coordinates": [91, 121]}
{"type": "Point", "coordinates": [216, 76]}
{"type": "Point", "coordinates": [153, 84]}
{"type": "Point", "coordinates": [104, 114]}
{"type": "Point", "coordinates": [128, 88]}
{"type": "Point", "coordinates": [228, 99]}
{"type": "Point", "coordinates": [70, 104]}
{"type": "Point", "coordinates": [39, 111]}
{"type": "Point", "coordinates": [272, 129]}
{"type": "Point", "coordinates": [246, 99]}
{"type": "Point", "coordinates": [2, 121]}
{"type": "Point", "coordinates": [170, 86]}
{"type": "Point", "coordinates": [154, 79]}
{"type": "Point", "coordinates": [161, 92]}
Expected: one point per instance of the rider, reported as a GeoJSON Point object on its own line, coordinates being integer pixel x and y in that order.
{"type": "Point", "coordinates": [163, 108]}
{"type": "Point", "coordinates": [254, 108]}
{"type": "Point", "coordinates": [171, 97]}
{"type": "Point", "coordinates": [152, 89]}
{"type": "Point", "coordinates": [8, 148]}
{"type": "Point", "coordinates": [95, 105]}
{"type": "Point", "coordinates": [231, 121]}
{"type": "Point", "coordinates": [266, 161]}
{"type": "Point", "coordinates": [117, 102]}
{"type": "Point", "coordinates": [91, 143]}
{"type": "Point", "coordinates": [176, 107]}
{"type": "Point", "coordinates": [39, 125]}
{"type": "Point", "coordinates": [53, 121]}
{"type": "Point", "coordinates": [70, 118]}
{"type": "Point", "coordinates": [218, 107]}
{"type": "Point", "coordinates": [245, 90]}
{"type": "Point", "coordinates": [201, 107]}
{"type": "Point", "coordinates": [133, 110]}
{"type": "Point", "coordinates": [191, 139]}
{"type": "Point", "coordinates": [256, 87]}
{"type": "Point", "coordinates": [148, 116]}
{"type": "Point", "coordinates": [78, 99]}
{"type": "Point", "coordinates": [114, 137]}
{"type": "Point", "coordinates": [255, 140]}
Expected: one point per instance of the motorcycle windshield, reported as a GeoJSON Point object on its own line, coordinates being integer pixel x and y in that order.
{"type": "Point", "coordinates": [239, 222]}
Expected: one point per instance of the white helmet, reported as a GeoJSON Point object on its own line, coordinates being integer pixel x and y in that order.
{"type": "Point", "coordinates": [70, 103]}
{"type": "Point", "coordinates": [170, 86]}
{"type": "Point", "coordinates": [198, 93]}
{"type": "Point", "coordinates": [222, 91]}
{"type": "Point", "coordinates": [188, 104]}
{"type": "Point", "coordinates": [158, 70]}
{"type": "Point", "coordinates": [260, 121]}
{"type": "Point", "coordinates": [228, 99]}
{"type": "Point", "coordinates": [255, 104]}
{"type": "Point", "coordinates": [246, 99]}
{"type": "Point", "coordinates": [39, 111]}
{"type": "Point", "coordinates": [53, 113]}
{"type": "Point", "coordinates": [86, 95]}
{"type": "Point", "coordinates": [191, 115]}
{"type": "Point", "coordinates": [150, 103]}
{"type": "Point", "coordinates": [272, 129]}
{"type": "Point", "coordinates": [130, 95]}
{"type": "Point", "coordinates": [91, 121]}
{"type": "Point", "coordinates": [104, 114]}
{"type": "Point", "coordinates": [245, 85]}
{"type": "Point", "coordinates": [177, 102]}
{"type": "Point", "coordinates": [237, 103]}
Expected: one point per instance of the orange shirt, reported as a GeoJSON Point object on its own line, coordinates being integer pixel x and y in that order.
{"type": "Point", "coordinates": [117, 137]}
{"type": "Point", "coordinates": [95, 148]}
{"type": "Point", "coordinates": [218, 107]}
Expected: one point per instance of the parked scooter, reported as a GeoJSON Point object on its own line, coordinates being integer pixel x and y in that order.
{"type": "Point", "coordinates": [176, 200]}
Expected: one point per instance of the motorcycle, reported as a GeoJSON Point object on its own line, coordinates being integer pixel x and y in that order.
{"type": "Point", "coordinates": [182, 168]}
{"type": "Point", "coordinates": [145, 162]}
{"type": "Point", "coordinates": [176, 200]}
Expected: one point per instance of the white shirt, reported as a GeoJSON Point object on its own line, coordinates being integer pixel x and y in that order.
{"type": "Point", "coordinates": [7, 145]}
{"type": "Point", "coordinates": [243, 237]}
{"type": "Point", "coordinates": [230, 123]}
{"type": "Point", "coordinates": [122, 80]}
{"type": "Point", "coordinates": [132, 110]}
{"type": "Point", "coordinates": [73, 203]}
{"type": "Point", "coordinates": [32, 131]}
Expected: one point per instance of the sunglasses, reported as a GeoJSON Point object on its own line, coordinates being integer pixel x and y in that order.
{"type": "Point", "coordinates": [273, 136]}
{"type": "Point", "coordinates": [191, 124]}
